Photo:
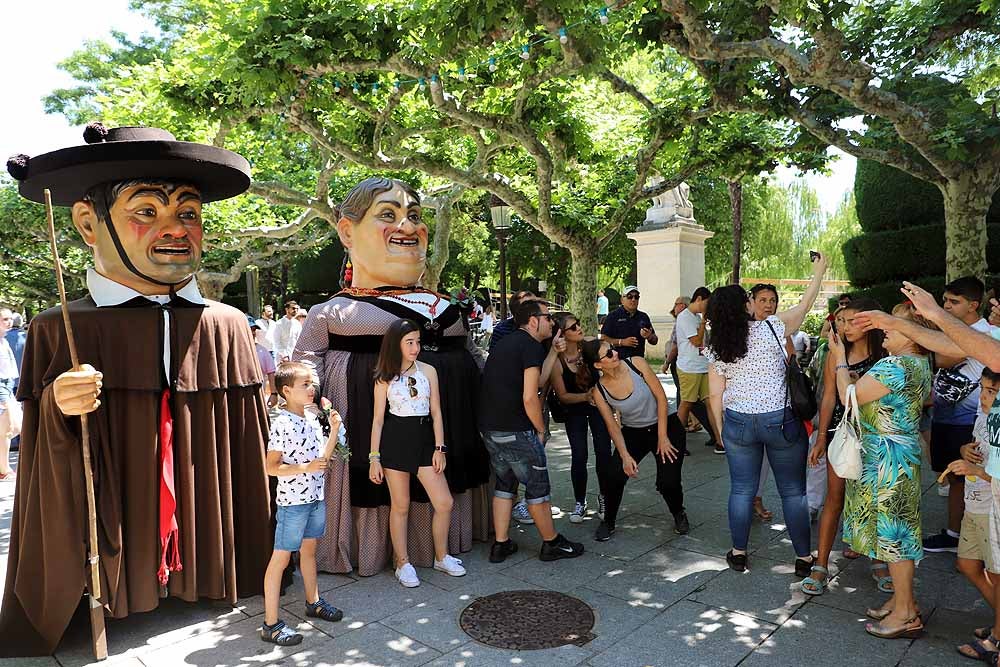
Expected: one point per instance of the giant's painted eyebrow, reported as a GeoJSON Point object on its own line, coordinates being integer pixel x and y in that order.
{"type": "Point", "coordinates": [189, 194]}
{"type": "Point", "coordinates": [396, 203]}
{"type": "Point", "coordinates": [151, 192]}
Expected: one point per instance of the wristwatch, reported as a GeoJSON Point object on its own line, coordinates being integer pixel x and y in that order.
{"type": "Point", "coordinates": [441, 448]}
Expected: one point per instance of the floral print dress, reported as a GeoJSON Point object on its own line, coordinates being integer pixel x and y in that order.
{"type": "Point", "coordinates": [882, 509]}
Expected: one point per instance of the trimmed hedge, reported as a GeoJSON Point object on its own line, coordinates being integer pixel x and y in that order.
{"type": "Point", "coordinates": [887, 198]}
{"type": "Point", "coordinates": [909, 254]}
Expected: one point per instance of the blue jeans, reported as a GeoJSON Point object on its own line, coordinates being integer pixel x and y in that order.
{"type": "Point", "coordinates": [518, 457]}
{"type": "Point", "coordinates": [782, 435]}
{"type": "Point", "coordinates": [576, 433]}
{"type": "Point", "coordinates": [297, 523]}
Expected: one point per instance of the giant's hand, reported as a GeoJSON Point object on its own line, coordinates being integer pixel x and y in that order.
{"type": "Point", "coordinates": [76, 392]}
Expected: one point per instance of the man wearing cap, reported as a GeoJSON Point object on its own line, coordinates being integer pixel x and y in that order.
{"type": "Point", "coordinates": [171, 385]}
{"type": "Point", "coordinates": [628, 328]}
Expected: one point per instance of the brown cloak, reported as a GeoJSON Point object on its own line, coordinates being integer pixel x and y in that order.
{"type": "Point", "coordinates": [220, 431]}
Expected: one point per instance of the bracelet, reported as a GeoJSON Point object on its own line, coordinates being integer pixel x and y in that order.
{"type": "Point", "coordinates": [374, 456]}
{"type": "Point", "coordinates": [839, 366]}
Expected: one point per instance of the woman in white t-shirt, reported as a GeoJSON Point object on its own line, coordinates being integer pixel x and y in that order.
{"type": "Point", "coordinates": [747, 379]}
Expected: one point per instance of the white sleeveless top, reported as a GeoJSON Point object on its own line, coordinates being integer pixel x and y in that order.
{"type": "Point", "coordinates": [402, 403]}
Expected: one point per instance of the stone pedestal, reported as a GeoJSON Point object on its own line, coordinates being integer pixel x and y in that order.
{"type": "Point", "coordinates": [670, 258]}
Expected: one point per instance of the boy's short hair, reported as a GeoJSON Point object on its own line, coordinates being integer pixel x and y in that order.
{"type": "Point", "coordinates": [287, 372]}
{"type": "Point", "coordinates": [526, 310]}
{"type": "Point", "coordinates": [990, 376]}
{"type": "Point", "coordinates": [970, 287]}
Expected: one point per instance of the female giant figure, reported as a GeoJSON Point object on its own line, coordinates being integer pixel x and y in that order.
{"type": "Point", "coordinates": [381, 228]}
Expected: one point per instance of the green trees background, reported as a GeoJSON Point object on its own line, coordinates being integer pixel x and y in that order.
{"type": "Point", "coordinates": [318, 94]}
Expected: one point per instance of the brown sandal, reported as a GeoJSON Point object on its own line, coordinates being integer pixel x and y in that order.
{"type": "Point", "coordinates": [760, 511]}
{"type": "Point", "coordinates": [904, 632]}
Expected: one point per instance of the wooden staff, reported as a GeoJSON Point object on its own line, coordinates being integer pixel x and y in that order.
{"type": "Point", "coordinates": [100, 641]}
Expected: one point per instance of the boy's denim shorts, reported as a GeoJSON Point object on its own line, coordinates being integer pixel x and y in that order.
{"type": "Point", "coordinates": [297, 523]}
{"type": "Point", "coordinates": [518, 456]}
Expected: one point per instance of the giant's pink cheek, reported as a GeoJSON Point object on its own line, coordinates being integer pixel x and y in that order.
{"type": "Point", "coordinates": [195, 234]}
{"type": "Point", "coordinates": [137, 229]}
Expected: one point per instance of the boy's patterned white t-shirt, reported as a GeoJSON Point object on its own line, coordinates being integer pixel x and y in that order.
{"type": "Point", "coordinates": [300, 440]}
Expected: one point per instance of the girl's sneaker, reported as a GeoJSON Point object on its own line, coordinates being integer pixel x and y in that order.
{"type": "Point", "coordinates": [407, 575]}
{"type": "Point", "coordinates": [450, 565]}
{"type": "Point", "coordinates": [579, 511]}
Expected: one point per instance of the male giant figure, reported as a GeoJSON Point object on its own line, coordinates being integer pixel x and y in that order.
{"type": "Point", "coordinates": [177, 422]}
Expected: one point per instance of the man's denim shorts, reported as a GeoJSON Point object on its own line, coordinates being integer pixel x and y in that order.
{"type": "Point", "coordinates": [297, 523]}
{"type": "Point", "coordinates": [518, 456]}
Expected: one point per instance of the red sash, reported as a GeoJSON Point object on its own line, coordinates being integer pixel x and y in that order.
{"type": "Point", "coordinates": [170, 554]}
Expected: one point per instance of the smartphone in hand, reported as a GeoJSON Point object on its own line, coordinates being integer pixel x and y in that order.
{"type": "Point", "coordinates": [813, 255]}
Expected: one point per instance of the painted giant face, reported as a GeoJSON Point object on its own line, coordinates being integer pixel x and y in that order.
{"type": "Point", "coordinates": [389, 245]}
{"type": "Point", "coordinates": [160, 229]}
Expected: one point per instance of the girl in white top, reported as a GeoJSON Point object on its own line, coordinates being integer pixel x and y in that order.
{"type": "Point", "coordinates": [408, 439]}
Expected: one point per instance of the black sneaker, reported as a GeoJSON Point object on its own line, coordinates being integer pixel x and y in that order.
{"type": "Point", "coordinates": [681, 525]}
{"type": "Point", "coordinates": [500, 550]}
{"type": "Point", "coordinates": [604, 532]}
{"type": "Point", "coordinates": [560, 547]}
{"type": "Point", "coordinates": [941, 542]}
{"type": "Point", "coordinates": [736, 562]}
{"type": "Point", "coordinates": [719, 449]}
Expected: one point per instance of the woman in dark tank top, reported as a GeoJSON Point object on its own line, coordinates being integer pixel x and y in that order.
{"type": "Point", "coordinates": [631, 388]}
{"type": "Point", "coordinates": [571, 383]}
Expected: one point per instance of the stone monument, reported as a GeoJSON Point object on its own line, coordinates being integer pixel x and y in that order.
{"type": "Point", "coordinates": [670, 256]}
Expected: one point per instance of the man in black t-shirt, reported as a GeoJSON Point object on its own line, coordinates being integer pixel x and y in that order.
{"type": "Point", "coordinates": [510, 419]}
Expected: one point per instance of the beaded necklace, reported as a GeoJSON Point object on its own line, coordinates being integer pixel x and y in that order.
{"type": "Point", "coordinates": [397, 295]}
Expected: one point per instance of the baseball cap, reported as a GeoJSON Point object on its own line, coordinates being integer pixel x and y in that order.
{"type": "Point", "coordinates": [630, 288]}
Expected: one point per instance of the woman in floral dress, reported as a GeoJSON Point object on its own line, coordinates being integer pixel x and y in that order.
{"type": "Point", "coordinates": [882, 509]}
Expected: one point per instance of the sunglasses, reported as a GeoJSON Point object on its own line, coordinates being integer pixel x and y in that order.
{"type": "Point", "coordinates": [610, 354]}
{"type": "Point", "coordinates": [632, 297]}
{"type": "Point", "coordinates": [545, 315]}
{"type": "Point", "coordinates": [412, 384]}
{"type": "Point", "coordinates": [575, 327]}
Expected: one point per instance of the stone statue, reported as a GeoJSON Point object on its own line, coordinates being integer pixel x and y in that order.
{"type": "Point", "coordinates": [670, 206]}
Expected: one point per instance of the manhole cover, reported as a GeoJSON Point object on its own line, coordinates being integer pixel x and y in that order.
{"type": "Point", "coordinates": [528, 620]}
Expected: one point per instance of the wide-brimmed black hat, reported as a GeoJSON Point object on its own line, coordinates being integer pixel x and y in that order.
{"type": "Point", "coordinates": [127, 153]}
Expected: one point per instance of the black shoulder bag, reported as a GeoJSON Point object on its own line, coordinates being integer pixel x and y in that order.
{"type": "Point", "coordinates": [798, 387]}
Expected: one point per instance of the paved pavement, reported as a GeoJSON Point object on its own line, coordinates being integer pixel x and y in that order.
{"type": "Point", "coordinates": [659, 599]}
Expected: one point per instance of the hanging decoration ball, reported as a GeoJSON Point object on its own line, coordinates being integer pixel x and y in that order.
{"type": "Point", "coordinates": [604, 16]}
{"type": "Point", "coordinates": [562, 36]}
{"type": "Point", "coordinates": [493, 64]}
{"type": "Point", "coordinates": [461, 74]}
{"type": "Point", "coordinates": [395, 85]}
{"type": "Point", "coordinates": [356, 88]}
{"type": "Point", "coordinates": [420, 83]}
{"type": "Point", "coordinates": [434, 80]}
{"type": "Point", "coordinates": [336, 86]}
{"type": "Point", "coordinates": [525, 52]}
{"type": "Point", "coordinates": [375, 87]}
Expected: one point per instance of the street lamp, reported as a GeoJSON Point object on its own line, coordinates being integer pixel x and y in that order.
{"type": "Point", "coordinates": [500, 213]}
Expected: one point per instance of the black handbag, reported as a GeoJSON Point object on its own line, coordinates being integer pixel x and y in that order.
{"type": "Point", "coordinates": [952, 386]}
{"type": "Point", "coordinates": [798, 387]}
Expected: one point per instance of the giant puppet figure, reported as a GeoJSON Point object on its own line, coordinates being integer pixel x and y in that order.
{"type": "Point", "coordinates": [177, 422]}
{"type": "Point", "coordinates": [380, 227]}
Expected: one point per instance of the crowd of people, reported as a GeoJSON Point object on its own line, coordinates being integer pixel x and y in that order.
{"type": "Point", "coordinates": [389, 427]}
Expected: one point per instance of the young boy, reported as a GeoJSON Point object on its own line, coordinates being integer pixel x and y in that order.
{"type": "Point", "coordinates": [295, 457]}
{"type": "Point", "coordinates": [974, 552]}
